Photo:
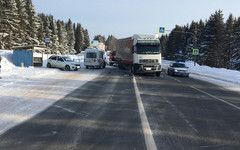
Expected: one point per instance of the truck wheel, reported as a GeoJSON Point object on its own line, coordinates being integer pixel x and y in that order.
{"type": "Point", "coordinates": [67, 68]}
{"type": "Point", "coordinates": [158, 74]}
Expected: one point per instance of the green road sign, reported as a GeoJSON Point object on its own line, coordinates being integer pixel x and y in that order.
{"type": "Point", "coordinates": [195, 52]}
{"type": "Point", "coordinates": [161, 30]}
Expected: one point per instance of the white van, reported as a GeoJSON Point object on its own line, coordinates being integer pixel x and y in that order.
{"type": "Point", "coordinates": [93, 57]}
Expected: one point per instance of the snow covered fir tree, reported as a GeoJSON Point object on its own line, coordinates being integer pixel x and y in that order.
{"type": "Point", "coordinates": [218, 42]}
{"type": "Point", "coordinates": [19, 26]}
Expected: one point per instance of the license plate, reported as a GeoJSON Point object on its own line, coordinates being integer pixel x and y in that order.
{"type": "Point", "coordinates": [148, 68]}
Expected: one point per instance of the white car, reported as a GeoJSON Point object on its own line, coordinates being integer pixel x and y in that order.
{"type": "Point", "coordinates": [62, 62]}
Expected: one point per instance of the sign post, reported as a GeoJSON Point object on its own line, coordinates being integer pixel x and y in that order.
{"type": "Point", "coordinates": [161, 30]}
{"type": "Point", "coordinates": [47, 40]}
{"type": "Point", "coordinates": [195, 53]}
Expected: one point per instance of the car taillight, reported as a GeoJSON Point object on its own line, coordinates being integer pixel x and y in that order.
{"type": "Point", "coordinates": [94, 60]}
{"type": "Point", "coordinates": [110, 59]}
{"type": "Point", "coordinates": [99, 60]}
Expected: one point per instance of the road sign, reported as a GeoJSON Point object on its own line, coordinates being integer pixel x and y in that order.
{"type": "Point", "coordinates": [161, 30]}
{"type": "Point", "coordinates": [94, 43]}
{"type": "Point", "coordinates": [195, 52]}
{"type": "Point", "coordinates": [47, 40]}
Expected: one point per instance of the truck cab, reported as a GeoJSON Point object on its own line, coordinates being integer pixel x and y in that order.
{"type": "Point", "coordinates": [147, 56]}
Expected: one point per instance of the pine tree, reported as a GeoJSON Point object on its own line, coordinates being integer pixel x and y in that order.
{"type": "Point", "coordinates": [236, 45]}
{"type": "Point", "coordinates": [79, 38]}
{"type": "Point", "coordinates": [212, 44]}
{"type": "Point", "coordinates": [32, 26]}
{"type": "Point", "coordinates": [62, 38]}
{"type": "Point", "coordinates": [175, 43]}
{"type": "Point", "coordinates": [200, 31]}
{"type": "Point", "coordinates": [9, 24]}
{"type": "Point", "coordinates": [22, 15]}
{"type": "Point", "coordinates": [99, 38]}
{"type": "Point", "coordinates": [111, 43]}
{"type": "Point", "coordinates": [190, 37]}
{"type": "Point", "coordinates": [163, 41]}
{"type": "Point", "coordinates": [70, 36]}
{"type": "Point", "coordinates": [228, 44]}
{"type": "Point", "coordinates": [86, 39]}
{"type": "Point", "coordinates": [54, 38]}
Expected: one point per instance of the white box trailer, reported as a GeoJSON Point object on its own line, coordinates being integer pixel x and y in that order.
{"type": "Point", "coordinates": [94, 58]}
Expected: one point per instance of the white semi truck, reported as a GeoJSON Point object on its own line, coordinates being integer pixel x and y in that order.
{"type": "Point", "coordinates": [140, 54]}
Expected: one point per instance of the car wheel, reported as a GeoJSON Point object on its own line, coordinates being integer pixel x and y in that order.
{"type": "Point", "coordinates": [67, 68]}
{"type": "Point", "coordinates": [76, 69]}
{"type": "Point", "coordinates": [49, 65]}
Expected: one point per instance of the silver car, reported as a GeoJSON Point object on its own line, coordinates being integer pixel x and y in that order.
{"type": "Point", "coordinates": [62, 62]}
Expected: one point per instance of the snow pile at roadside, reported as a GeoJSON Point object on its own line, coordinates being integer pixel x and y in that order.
{"type": "Point", "coordinates": [11, 72]}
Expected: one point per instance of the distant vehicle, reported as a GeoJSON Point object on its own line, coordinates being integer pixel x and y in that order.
{"type": "Point", "coordinates": [178, 68]}
{"type": "Point", "coordinates": [62, 62]}
{"type": "Point", "coordinates": [93, 57]}
{"type": "Point", "coordinates": [140, 54]}
{"type": "Point", "coordinates": [112, 58]}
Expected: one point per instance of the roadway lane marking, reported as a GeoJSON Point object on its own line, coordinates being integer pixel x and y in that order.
{"type": "Point", "coordinates": [181, 115]}
{"type": "Point", "coordinates": [71, 111]}
{"type": "Point", "coordinates": [175, 79]}
{"type": "Point", "coordinates": [150, 143]}
{"type": "Point", "coordinates": [216, 98]}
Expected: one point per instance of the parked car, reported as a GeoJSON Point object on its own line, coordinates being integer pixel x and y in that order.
{"type": "Point", "coordinates": [62, 62]}
{"type": "Point", "coordinates": [178, 68]}
{"type": "Point", "coordinates": [112, 58]}
{"type": "Point", "coordinates": [93, 57]}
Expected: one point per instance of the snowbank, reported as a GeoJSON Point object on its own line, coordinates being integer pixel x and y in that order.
{"type": "Point", "coordinates": [219, 76]}
{"type": "Point", "coordinates": [11, 72]}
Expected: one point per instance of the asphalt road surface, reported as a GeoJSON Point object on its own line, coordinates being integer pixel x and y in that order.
{"type": "Point", "coordinates": [105, 114]}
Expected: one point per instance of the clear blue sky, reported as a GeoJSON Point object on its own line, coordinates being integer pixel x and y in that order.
{"type": "Point", "coordinates": [123, 18]}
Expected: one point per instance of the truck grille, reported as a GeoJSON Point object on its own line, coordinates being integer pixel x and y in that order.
{"type": "Point", "coordinates": [148, 61]}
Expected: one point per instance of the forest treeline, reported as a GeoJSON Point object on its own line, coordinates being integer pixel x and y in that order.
{"type": "Point", "coordinates": [218, 42]}
{"type": "Point", "coordinates": [20, 26]}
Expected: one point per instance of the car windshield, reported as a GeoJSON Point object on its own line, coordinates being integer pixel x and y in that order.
{"type": "Point", "coordinates": [148, 49]}
{"type": "Point", "coordinates": [68, 59]}
{"type": "Point", "coordinates": [179, 65]}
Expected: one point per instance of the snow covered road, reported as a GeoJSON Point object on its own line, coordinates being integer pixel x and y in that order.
{"type": "Point", "coordinates": [24, 98]}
